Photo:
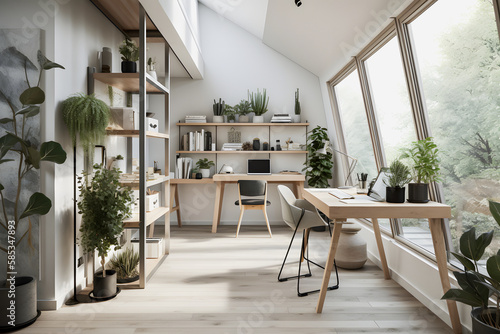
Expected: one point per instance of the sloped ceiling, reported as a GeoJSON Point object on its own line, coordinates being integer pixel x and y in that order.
{"type": "Point", "coordinates": [320, 35]}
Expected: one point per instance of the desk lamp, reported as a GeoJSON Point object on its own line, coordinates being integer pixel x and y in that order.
{"type": "Point", "coordinates": [352, 165]}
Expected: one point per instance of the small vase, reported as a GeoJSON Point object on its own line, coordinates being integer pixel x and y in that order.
{"type": "Point", "coordinates": [218, 119]}
{"type": "Point", "coordinates": [258, 119]}
{"type": "Point", "coordinates": [256, 145]}
{"type": "Point", "coordinates": [351, 250]}
{"type": "Point", "coordinates": [395, 195]}
{"type": "Point", "coordinates": [129, 67]}
{"type": "Point", "coordinates": [244, 119]}
{"type": "Point", "coordinates": [296, 118]}
{"type": "Point", "coordinates": [205, 173]}
{"type": "Point", "coordinates": [106, 60]}
{"type": "Point", "coordinates": [153, 74]}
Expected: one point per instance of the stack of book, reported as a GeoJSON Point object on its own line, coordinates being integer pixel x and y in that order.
{"type": "Point", "coordinates": [195, 119]}
{"type": "Point", "coordinates": [197, 141]}
{"type": "Point", "coordinates": [281, 118]}
{"type": "Point", "coordinates": [232, 146]}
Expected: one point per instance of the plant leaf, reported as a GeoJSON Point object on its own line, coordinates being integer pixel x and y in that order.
{"type": "Point", "coordinates": [38, 204]}
{"type": "Point", "coordinates": [493, 267]}
{"type": "Point", "coordinates": [45, 63]}
{"type": "Point", "coordinates": [465, 261]}
{"type": "Point", "coordinates": [474, 248]}
{"type": "Point", "coordinates": [6, 143]}
{"type": "Point", "coordinates": [462, 297]}
{"type": "Point", "coordinates": [6, 120]}
{"type": "Point", "coordinates": [52, 151]}
{"type": "Point", "coordinates": [1, 187]}
{"type": "Point", "coordinates": [495, 210]}
{"type": "Point", "coordinates": [5, 160]}
{"type": "Point", "coordinates": [29, 111]}
{"type": "Point", "coordinates": [33, 95]}
{"type": "Point", "coordinates": [33, 157]}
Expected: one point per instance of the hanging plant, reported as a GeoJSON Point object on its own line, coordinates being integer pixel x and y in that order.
{"type": "Point", "coordinates": [87, 117]}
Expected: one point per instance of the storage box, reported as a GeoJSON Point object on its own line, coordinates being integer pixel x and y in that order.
{"type": "Point", "coordinates": [154, 247]}
{"type": "Point", "coordinates": [124, 119]}
{"type": "Point", "coordinates": [152, 202]}
{"type": "Point", "coordinates": [151, 124]}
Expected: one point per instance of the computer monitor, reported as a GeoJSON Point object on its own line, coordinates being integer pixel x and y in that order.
{"type": "Point", "coordinates": [259, 167]}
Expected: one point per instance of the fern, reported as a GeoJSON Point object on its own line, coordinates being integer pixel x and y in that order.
{"type": "Point", "coordinates": [125, 264]}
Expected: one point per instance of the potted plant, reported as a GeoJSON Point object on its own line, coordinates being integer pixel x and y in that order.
{"type": "Point", "coordinates": [119, 162]}
{"type": "Point", "coordinates": [296, 117]}
{"type": "Point", "coordinates": [152, 68]}
{"type": "Point", "coordinates": [318, 166]}
{"type": "Point", "coordinates": [204, 166]}
{"type": "Point", "coordinates": [475, 287]}
{"type": "Point", "coordinates": [218, 108]}
{"type": "Point", "coordinates": [230, 113]}
{"type": "Point", "coordinates": [130, 54]}
{"type": "Point", "coordinates": [21, 152]}
{"type": "Point", "coordinates": [423, 155]}
{"type": "Point", "coordinates": [258, 102]}
{"type": "Point", "coordinates": [125, 264]}
{"type": "Point", "coordinates": [399, 176]}
{"type": "Point", "coordinates": [87, 117]}
{"type": "Point", "coordinates": [243, 109]}
{"type": "Point", "coordinates": [104, 204]}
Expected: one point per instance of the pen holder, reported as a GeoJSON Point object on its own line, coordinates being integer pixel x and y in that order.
{"type": "Point", "coordinates": [362, 184]}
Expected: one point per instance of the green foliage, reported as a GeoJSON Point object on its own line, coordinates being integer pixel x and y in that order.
{"type": "Point", "coordinates": [230, 112]}
{"type": "Point", "coordinates": [297, 103]}
{"type": "Point", "coordinates": [318, 166]}
{"type": "Point", "coordinates": [423, 155]}
{"type": "Point", "coordinates": [399, 175]}
{"type": "Point", "coordinates": [129, 51]}
{"type": "Point", "coordinates": [204, 163]}
{"type": "Point", "coordinates": [151, 64]}
{"type": "Point", "coordinates": [103, 204]}
{"type": "Point", "coordinates": [125, 264]}
{"type": "Point", "coordinates": [87, 117]}
{"type": "Point", "coordinates": [219, 107]}
{"type": "Point", "coordinates": [243, 108]}
{"type": "Point", "coordinates": [259, 102]}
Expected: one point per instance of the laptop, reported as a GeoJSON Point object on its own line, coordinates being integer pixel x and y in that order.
{"type": "Point", "coordinates": [376, 191]}
{"type": "Point", "coordinates": [259, 167]}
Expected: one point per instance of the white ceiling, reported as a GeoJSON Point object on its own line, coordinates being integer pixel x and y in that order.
{"type": "Point", "coordinates": [320, 35]}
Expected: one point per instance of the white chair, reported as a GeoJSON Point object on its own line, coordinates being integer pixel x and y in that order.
{"type": "Point", "coordinates": [300, 215]}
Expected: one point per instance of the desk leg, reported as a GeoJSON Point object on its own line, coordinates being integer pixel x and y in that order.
{"type": "Point", "coordinates": [337, 228]}
{"type": "Point", "coordinates": [440, 252]}
{"type": "Point", "coordinates": [298, 187]}
{"type": "Point", "coordinates": [219, 193]}
{"type": "Point", "coordinates": [380, 246]}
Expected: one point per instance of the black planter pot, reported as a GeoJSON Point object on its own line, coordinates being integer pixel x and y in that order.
{"type": "Point", "coordinates": [418, 193]}
{"type": "Point", "coordinates": [478, 326]}
{"type": "Point", "coordinates": [129, 67]}
{"type": "Point", "coordinates": [395, 195]}
{"type": "Point", "coordinates": [128, 279]}
{"type": "Point", "coordinates": [24, 312]}
{"type": "Point", "coordinates": [105, 287]}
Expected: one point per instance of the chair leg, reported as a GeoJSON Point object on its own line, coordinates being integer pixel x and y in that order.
{"type": "Point", "coordinates": [267, 221]}
{"type": "Point", "coordinates": [284, 260]}
{"type": "Point", "coordinates": [239, 221]}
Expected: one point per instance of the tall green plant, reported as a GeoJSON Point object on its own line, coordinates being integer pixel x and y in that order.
{"type": "Point", "coordinates": [129, 51]}
{"type": "Point", "coordinates": [103, 204]}
{"type": "Point", "coordinates": [318, 166]}
{"type": "Point", "coordinates": [219, 107]}
{"type": "Point", "coordinates": [259, 102]}
{"type": "Point", "coordinates": [297, 103]}
{"type": "Point", "coordinates": [19, 147]}
{"type": "Point", "coordinates": [423, 155]}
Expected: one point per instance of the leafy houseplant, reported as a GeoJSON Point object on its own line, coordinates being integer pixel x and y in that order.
{"type": "Point", "coordinates": [104, 204]}
{"type": "Point", "coordinates": [125, 264]}
{"type": "Point", "coordinates": [218, 109]}
{"type": "Point", "coordinates": [87, 117]}
{"type": "Point", "coordinates": [20, 147]}
{"type": "Point", "coordinates": [243, 109]}
{"type": "Point", "coordinates": [475, 287]}
{"type": "Point", "coordinates": [130, 54]}
{"type": "Point", "coordinates": [259, 102]}
{"type": "Point", "coordinates": [204, 166]}
{"type": "Point", "coordinates": [318, 166]}
{"type": "Point", "coordinates": [230, 113]}
{"type": "Point", "coordinates": [423, 155]}
{"type": "Point", "coordinates": [297, 107]}
{"type": "Point", "coordinates": [399, 176]}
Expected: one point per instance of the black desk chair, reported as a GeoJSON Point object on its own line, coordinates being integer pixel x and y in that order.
{"type": "Point", "coordinates": [252, 188]}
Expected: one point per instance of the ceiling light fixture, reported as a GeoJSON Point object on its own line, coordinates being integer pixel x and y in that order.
{"type": "Point", "coordinates": [298, 3]}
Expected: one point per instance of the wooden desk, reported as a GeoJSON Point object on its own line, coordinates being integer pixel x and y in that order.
{"type": "Point", "coordinates": [222, 179]}
{"type": "Point", "coordinates": [340, 212]}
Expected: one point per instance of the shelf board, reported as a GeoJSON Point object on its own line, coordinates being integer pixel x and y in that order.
{"type": "Point", "coordinates": [135, 133]}
{"type": "Point", "coordinates": [241, 152]}
{"type": "Point", "coordinates": [129, 82]}
{"type": "Point", "coordinates": [135, 184]}
{"type": "Point", "coordinates": [192, 181]}
{"type": "Point", "coordinates": [242, 124]}
{"type": "Point", "coordinates": [151, 217]}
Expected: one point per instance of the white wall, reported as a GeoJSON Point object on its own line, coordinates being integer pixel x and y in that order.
{"type": "Point", "coordinates": [237, 61]}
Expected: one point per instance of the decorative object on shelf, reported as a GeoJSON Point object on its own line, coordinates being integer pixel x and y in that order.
{"type": "Point", "coordinates": [120, 163]}
{"type": "Point", "coordinates": [232, 147]}
{"type": "Point", "coordinates": [111, 95]}
{"type": "Point", "coordinates": [296, 116]}
{"type": "Point", "coordinates": [104, 204]}
{"type": "Point", "coordinates": [151, 67]}
{"type": "Point", "coordinates": [256, 144]}
{"type": "Point", "coordinates": [247, 146]}
{"type": "Point", "coordinates": [351, 251]}
{"type": "Point", "coordinates": [198, 176]}
{"type": "Point", "coordinates": [20, 200]}
{"type": "Point", "coordinates": [243, 109]}
{"type": "Point", "coordinates": [204, 166]}
{"type": "Point", "coordinates": [475, 287]}
{"type": "Point", "coordinates": [106, 60]}
{"type": "Point", "coordinates": [265, 146]}
{"type": "Point", "coordinates": [319, 165]}
{"type": "Point", "coordinates": [152, 200]}
{"type": "Point", "coordinates": [234, 136]}
{"type": "Point", "coordinates": [278, 145]}
{"type": "Point", "coordinates": [123, 119]}
{"type": "Point", "coordinates": [226, 169]}
{"type": "Point", "coordinates": [125, 264]}
{"type": "Point", "coordinates": [195, 119]}
{"type": "Point", "coordinates": [289, 143]}
{"type": "Point", "coordinates": [152, 124]}
{"type": "Point", "coordinates": [399, 176]}
{"type": "Point", "coordinates": [259, 102]}
{"type": "Point", "coordinates": [230, 113]}
{"type": "Point", "coordinates": [281, 118]}
{"type": "Point", "coordinates": [218, 109]}
{"type": "Point", "coordinates": [155, 167]}
{"type": "Point", "coordinates": [87, 117]}
{"type": "Point", "coordinates": [130, 54]}
{"type": "Point", "coordinates": [424, 160]}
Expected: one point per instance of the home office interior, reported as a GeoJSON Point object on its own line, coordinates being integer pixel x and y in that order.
{"type": "Point", "coordinates": [264, 166]}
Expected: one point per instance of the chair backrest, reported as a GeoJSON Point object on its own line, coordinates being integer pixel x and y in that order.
{"type": "Point", "coordinates": [287, 199]}
{"type": "Point", "coordinates": [252, 187]}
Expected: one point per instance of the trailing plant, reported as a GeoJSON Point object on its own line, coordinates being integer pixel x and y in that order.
{"type": "Point", "coordinates": [87, 117]}
{"type": "Point", "coordinates": [475, 287]}
{"type": "Point", "coordinates": [125, 264]}
{"type": "Point", "coordinates": [204, 163]}
{"type": "Point", "coordinates": [111, 95]}
{"type": "Point", "coordinates": [129, 51]}
{"type": "Point", "coordinates": [151, 64]}
{"type": "Point", "coordinates": [103, 204]}
{"type": "Point", "coordinates": [219, 107]}
{"type": "Point", "coordinates": [297, 103]}
{"type": "Point", "coordinates": [20, 147]}
{"type": "Point", "coordinates": [318, 166]}
{"type": "Point", "coordinates": [230, 112]}
{"type": "Point", "coordinates": [259, 102]}
{"type": "Point", "coordinates": [243, 108]}
{"type": "Point", "coordinates": [399, 175]}
{"type": "Point", "coordinates": [423, 155]}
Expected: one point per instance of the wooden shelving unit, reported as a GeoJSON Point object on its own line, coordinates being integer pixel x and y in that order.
{"type": "Point", "coordinates": [135, 184]}
{"type": "Point", "coordinates": [151, 217]}
{"type": "Point", "coordinates": [129, 82]}
{"type": "Point", "coordinates": [242, 124]}
{"type": "Point", "coordinates": [135, 134]}
{"type": "Point", "coordinates": [242, 152]}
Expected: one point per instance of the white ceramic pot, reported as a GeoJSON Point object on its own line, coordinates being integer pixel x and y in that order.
{"type": "Point", "coordinates": [153, 74]}
{"type": "Point", "coordinates": [258, 119]}
{"type": "Point", "coordinates": [296, 118]}
{"type": "Point", "coordinates": [218, 119]}
{"type": "Point", "coordinates": [351, 251]}
{"type": "Point", "coordinates": [205, 173]}
{"type": "Point", "coordinates": [244, 119]}
{"type": "Point", "coordinates": [120, 164]}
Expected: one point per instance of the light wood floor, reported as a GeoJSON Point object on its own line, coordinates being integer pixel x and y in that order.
{"type": "Point", "coordinates": [219, 284]}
